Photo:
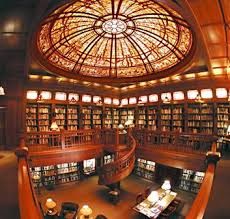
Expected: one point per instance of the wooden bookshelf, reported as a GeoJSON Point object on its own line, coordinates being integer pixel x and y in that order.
{"type": "Point", "coordinates": [31, 117]}
{"type": "Point", "coordinates": [191, 181]}
{"type": "Point", "coordinates": [178, 118]}
{"type": "Point", "coordinates": [97, 117]}
{"type": "Point", "coordinates": [145, 169]}
{"type": "Point", "coordinates": [86, 117]}
{"type": "Point", "coordinates": [223, 118]}
{"type": "Point", "coordinates": [61, 116]}
{"type": "Point", "coordinates": [72, 117]}
{"type": "Point", "coordinates": [142, 121]}
{"type": "Point", "coordinates": [152, 117]}
{"type": "Point", "coordinates": [166, 117]}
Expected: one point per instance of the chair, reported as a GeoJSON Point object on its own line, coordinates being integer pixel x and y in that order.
{"type": "Point", "coordinates": [139, 198]}
{"type": "Point", "coordinates": [169, 211]}
{"type": "Point", "coordinates": [68, 210]}
{"type": "Point", "coordinates": [101, 216]}
{"type": "Point", "coordinates": [147, 192]}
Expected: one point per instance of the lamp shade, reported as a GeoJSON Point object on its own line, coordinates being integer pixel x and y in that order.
{"type": "Point", "coordinates": [228, 130]}
{"type": "Point", "coordinates": [120, 126]}
{"type": "Point", "coordinates": [153, 197]}
{"type": "Point", "coordinates": [54, 126]}
{"type": "Point", "coordinates": [166, 185]}
{"type": "Point", "coordinates": [86, 210]}
{"type": "Point", "coordinates": [50, 204]}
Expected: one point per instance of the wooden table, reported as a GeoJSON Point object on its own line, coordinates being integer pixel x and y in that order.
{"type": "Point", "coordinates": [153, 210]}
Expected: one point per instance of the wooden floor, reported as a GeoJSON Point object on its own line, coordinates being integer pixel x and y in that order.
{"type": "Point", "coordinates": [90, 193]}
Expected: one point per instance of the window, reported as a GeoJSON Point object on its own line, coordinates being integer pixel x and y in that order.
{"type": "Point", "coordinates": [153, 98]}
{"type": "Point", "coordinates": [60, 96]}
{"type": "Point", "coordinates": [116, 101]}
{"type": "Point", "coordinates": [96, 99]}
{"type": "Point", "coordinates": [124, 101]}
{"type": "Point", "coordinates": [86, 98]}
{"type": "Point", "coordinates": [46, 95]}
{"type": "Point", "coordinates": [143, 99]}
{"type": "Point", "coordinates": [107, 100]}
{"type": "Point", "coordinates": [206, 93]}
{"type": "Point", "coordinates": [73, 96]}
{"type": "Point", "coordinates": [178, 95]}
{"type": "Point", "coordinates": [221, 93]}
{"type": "Point", "coordinates": [132, 100]}
{"type": "Point", "coordinates": [166, 96]}
{"type": "Point", "coordinates": [192, 94]}
{"type": "Point", "coordinates": [32, 95]}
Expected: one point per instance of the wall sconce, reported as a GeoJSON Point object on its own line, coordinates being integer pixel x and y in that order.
{"type": "Point", "coordinates": [198, 99]}
{"type": "Point", "coordinates": [40, 99]}
{"type": "Point", "coordinates": [72, 101]}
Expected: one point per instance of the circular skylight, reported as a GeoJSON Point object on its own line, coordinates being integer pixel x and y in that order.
{"type": "Point", "coordinates": [114, 40]}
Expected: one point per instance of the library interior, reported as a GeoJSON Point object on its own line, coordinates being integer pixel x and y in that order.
{"type": "Point", "coordinates": [115, 109]}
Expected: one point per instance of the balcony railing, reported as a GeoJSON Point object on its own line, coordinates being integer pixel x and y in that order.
{"type": "Point", "coordinates": [166, 140]}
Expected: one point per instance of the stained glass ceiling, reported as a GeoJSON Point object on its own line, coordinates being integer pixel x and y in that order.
{"type": "Point", "coordinates": [116, 40]}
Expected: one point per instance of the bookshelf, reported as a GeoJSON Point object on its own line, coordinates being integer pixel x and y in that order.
{"type": "Point", "coordinates": [60, 116]}
{"type": "Point", "coordinates": [89, 166]}
{"type": "Point", "coordinates": [207, 118]}
{"type": "Point", "coordinates": [116, 118]}
{"type": "Point", "coordinates": [67, 172]}
{"type": "Point", "coordinates": [72, 117]}
{"type": "Point", "coordinates": [152, 117]}
{"type": "Point", "coordinates": [97, 117]}
{"type": "Point", "coordinates": [178, 118]}
{"type": "Point", "coordinates": [31, 117]}
{"type": "Point", "coordinates": [108, 117]}
{"type": "Point", "coordinates": [126, 114]}
{"type": "Point", "coordinates": [86, 117]}
{"type": "Point", "coordinates": [223, 118]}
{"type": "Point", "coordinates": [44, 112]}
{"type": "Point", "coordinates": [109, 158]}
{"type": "Point", "coordinates": [48, 176]}
{"type": "Point", "coordinates": [145, 168]}
{"type": "Point", "coordinates": [166, 117]}
{"type": "Point", "coordinates": [191, 180]}
{"type": "Point", "coordinates": [142, 117]}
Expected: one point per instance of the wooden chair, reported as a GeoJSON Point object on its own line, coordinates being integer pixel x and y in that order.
{"type": "Point", "coordinates": [101, 216]}
{"type": "Point", "coordinates": [147, 192]}
{"type": "Point", "coordinates": [68, 210]}
{"type": "Point", "coordinates": [139, 198]}
{"type": "Point", "coordinates": [168, 212]}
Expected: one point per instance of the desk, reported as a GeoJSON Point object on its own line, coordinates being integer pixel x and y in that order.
{"type": "Point", "coordinates": [153, 210]}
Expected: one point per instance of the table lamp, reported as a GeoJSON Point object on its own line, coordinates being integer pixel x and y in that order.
{"type": "Point", "coordinates": [86, 211]}
{"type": "Point", "coordinates": [153, 197]}
{"type": "Point", "coordinates": [50, 204]}
{"type": "Point", "coordinates": [166, 186]}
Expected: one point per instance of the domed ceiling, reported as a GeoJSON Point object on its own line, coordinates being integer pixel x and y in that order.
{"type": "Point", "coordinates": [116, 40]}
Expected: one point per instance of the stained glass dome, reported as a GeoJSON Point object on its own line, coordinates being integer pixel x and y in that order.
{"type": "Point", "coordinates": [118, 39]}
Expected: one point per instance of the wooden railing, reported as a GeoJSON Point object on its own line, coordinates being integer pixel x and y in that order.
{"type": "Point", "coordinates": [195, 143]}
{"type": "Point", "coordinates": [199, 205]}
{"type": "Point", "coordinates": [119, 169]}
{"type": "Point", "coordinates": [28, 204]}
{"type": "Point", "coordinates": [40, 141]}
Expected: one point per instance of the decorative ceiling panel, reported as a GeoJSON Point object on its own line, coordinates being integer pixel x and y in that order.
{"type": "Point", "coordinates": [117, 39]}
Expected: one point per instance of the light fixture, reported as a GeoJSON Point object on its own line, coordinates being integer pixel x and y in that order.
{"type": "Point", "coordinates": [54, 126]}
{"type": "Point", "coordinates": [166, 186]}
{"type": "Point", "coordinates": [153, 197]}
{"type": "Point", "coordinates": [86, 211]}
{"type": "Point", "coordinates": [50, 204]}
{"type": "Point", "coordinates": [198, 99]}
{"type": "Point", "coordinates": [72, 101]}
{"type": "Point", "coordinates": [120, 126]}
{"type": "Point", "coordinates": [99, 102]}
{"type": "Point", "coordinates": [166, 99]}
{"type": "Point", "coordinates": [140, 102]}
{"type": "Point", "coordinates": [2, 92]}
{"type": "Point", "coordinates": [40, 99]}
